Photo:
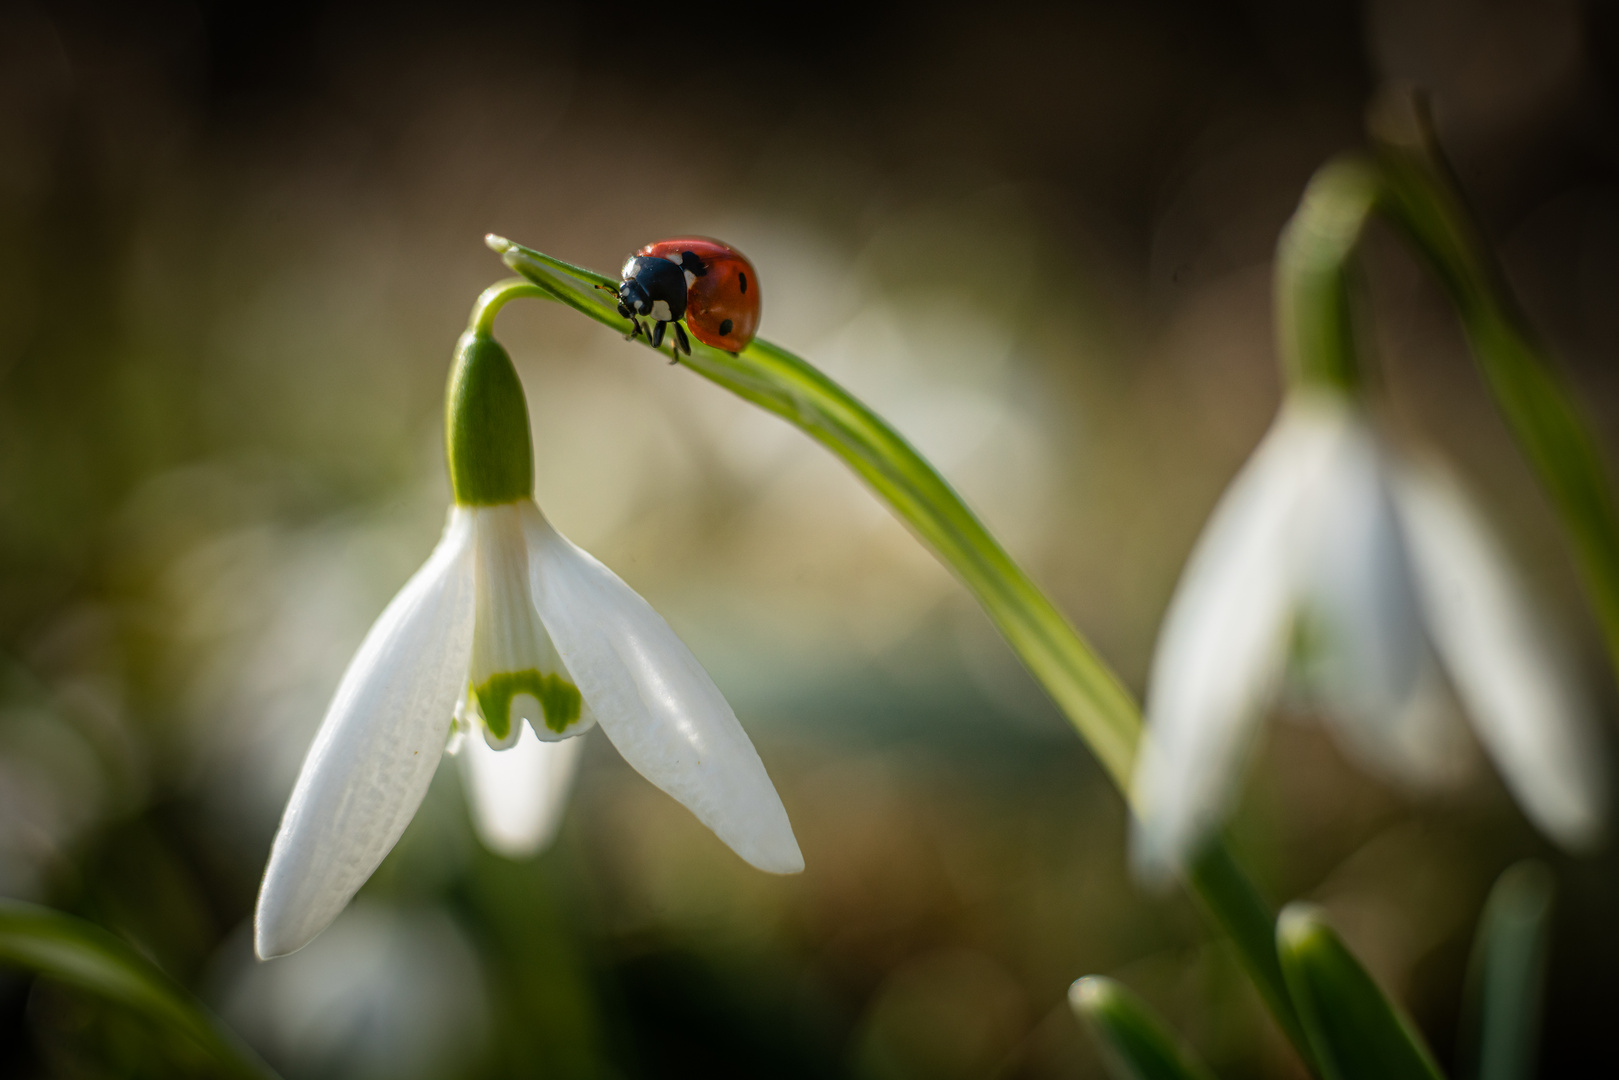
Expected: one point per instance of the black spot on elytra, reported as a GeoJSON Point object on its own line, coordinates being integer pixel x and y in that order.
{"type": "Point", "coordinates": [725, 328]}
{"type": "Point", "coordinates": [742, 279]}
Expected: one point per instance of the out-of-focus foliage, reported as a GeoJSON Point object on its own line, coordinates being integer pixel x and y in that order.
{"type": "Point", "coordinates": [1357, 1034]}
{"type": "Point", "coordinates": [70, 951]}
{"type": "Point", "coordinates": [234, 258]}
{"type": "Point", "coordinates": [1133, 1040]}
{"type": "Point", "coordinates": [1507, 976]}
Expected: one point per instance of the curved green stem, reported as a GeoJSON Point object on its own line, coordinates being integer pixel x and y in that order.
{"type": "Point", "coordinates": [1422, 200]}
{"type": "Point", "coordinates": [1093, 699]}
{"type": "Point", "coordinates": [492, 299]}
{"type": "Point", "coordinates": [1315, 322]}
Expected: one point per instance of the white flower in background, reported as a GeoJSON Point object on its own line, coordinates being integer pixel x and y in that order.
{"type": "Point", "coordinates": [1374, 573]}
{"type": "Point", "coordinates": [386, 993]}
{"type": "Point", "coordinates": [517, 639]}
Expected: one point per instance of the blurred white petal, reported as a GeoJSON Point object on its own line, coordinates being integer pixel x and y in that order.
{"type": "Point", "coordinates": [655, 701]}
{"type": "Point", "coordinates": [1530, 716]}
{"type": "Point", "coordinates": [383, 993]}
{"type": "Point", "coordinates": [518, 795]}
{"type": "Point", "coordinates": [1366, 655]}
{"type": "Point", "coordinates": [516, 673]}
{"type": "Point", "coordinates": [1223, 643]}
{"type": "Point", "coordinates": [375, 752]}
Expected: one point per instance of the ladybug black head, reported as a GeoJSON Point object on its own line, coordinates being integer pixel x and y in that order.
{"type": "Point", "coordinates": [649, 282]}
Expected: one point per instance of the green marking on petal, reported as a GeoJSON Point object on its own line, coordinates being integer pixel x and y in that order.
{"type": "Point", "coordinates": [558, 697]}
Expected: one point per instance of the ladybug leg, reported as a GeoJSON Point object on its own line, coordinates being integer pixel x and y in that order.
{"type": "Point", "coordinates": [657, 334]}
{"type": "Point", "coordinates": [635, 329]}
{"type": "Point", "coordinates": [680, 339]}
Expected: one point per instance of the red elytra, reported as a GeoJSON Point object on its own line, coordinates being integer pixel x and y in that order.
{"type": "Point", "coordinates": [722, 305]}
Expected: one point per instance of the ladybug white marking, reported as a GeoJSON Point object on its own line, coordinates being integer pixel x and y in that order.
{"type": "Point", "coordinates": [660, 310]}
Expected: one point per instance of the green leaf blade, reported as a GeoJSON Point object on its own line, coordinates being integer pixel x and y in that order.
{"type": "Point", "coordinates": [1356, 1031]}
{"type": "Point", "coordinates": [83, 955]}
{"type": "Point", "coordinates": [1422, 199]}
{"type": "Point", "coordinates": [1136, 1044]}
{"type": "Point", "coordinates": [1507, 974]}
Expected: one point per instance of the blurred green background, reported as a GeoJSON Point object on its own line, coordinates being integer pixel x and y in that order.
{"type": "Point", "coordinates": [236, 248]}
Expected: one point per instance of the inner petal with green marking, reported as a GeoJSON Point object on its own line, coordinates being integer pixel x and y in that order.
{"type": "Point", "coordinates": [553, 701]}
{"type": "Point", "coordinates": [516, 672]}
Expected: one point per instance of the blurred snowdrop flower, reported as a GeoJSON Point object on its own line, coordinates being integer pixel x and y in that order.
{"type": "Point", "coordinates": [1374, 573]}
{"type": "Point", "coordinates": [386, 993]}
{"type": "Point", "coordinates": [510, 639]}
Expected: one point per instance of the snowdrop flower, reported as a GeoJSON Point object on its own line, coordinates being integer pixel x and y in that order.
{"type": "Point", "coordinates": [1382, 574]}
{"type": "Point", "coordinates": [529, 642]}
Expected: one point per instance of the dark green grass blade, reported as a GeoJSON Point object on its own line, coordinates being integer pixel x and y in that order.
{"type": "Point", "coordinates": [82, 954]}
{"type": "Point", "coordinates": [1357, 1032]}
{"type": "Point", "coordinates": [1507, 975]}
{"type": "Point", "coordinates": [1423, 201]}
{"type": "Point", "coordinates": [1135, 1043]}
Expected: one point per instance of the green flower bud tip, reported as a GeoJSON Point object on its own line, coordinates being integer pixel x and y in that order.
{"type": "Point", "coordinates": [486, 433]}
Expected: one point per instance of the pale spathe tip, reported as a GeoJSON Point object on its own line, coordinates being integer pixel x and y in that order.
{"type": "Point", "coordinates": [498, 244]}
{"type": "Point", "coordinates": [1090, 992]}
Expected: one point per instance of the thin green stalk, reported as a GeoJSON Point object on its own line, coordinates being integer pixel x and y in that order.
{"type": "Point", "coordinates": [492, 299]}
{"type": "Point", "coordinates": [1357, 1032]}
{"type": "Point", "coordinates": [1315, 320]}
{"type": "Point", "coordinates": [1507, 976]}
{"type": "Point", "coordinates": [1421, 198]}
{"type": "Point", "coordinates": [82, 954]}
{"type": "Point", "coordinates": [1136, 1044]}
{"type": "Point", "coordinates": [1083, 686]}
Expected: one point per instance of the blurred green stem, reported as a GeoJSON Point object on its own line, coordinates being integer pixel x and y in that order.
{"type": "Point", "coordinates": [1135, 1042]}
{"type": "Point", "coordinates": [1357, 1032]}
{"type": "Point", "coordinates": [1083, 686]}
{"type": "Point", "coordinates": [1507, 976]}
{"type": "Point", "coordinates": [1411, 186]}
{"type": "Point", "coordinates": [1315, 325]}
{"type": "Point", "coordinates": [84, 955]}
{"type": "Point", "coordinates": [1421, 198]}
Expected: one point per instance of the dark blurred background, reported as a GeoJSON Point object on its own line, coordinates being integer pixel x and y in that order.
{"type": "Point", "coordinates": [237, 244]}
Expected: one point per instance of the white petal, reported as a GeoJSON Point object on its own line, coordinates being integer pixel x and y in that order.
{"type": "Point", "coordinates": [655, 701]}
{"type": "Point", "coordinates": [1531, 717]}
{"type": "Point", "coordinates": [1366, 653]}
{"type": "Point", "coordinates": [1223, 643]}
{"type": "Point", "coordinates": [375, 752]}
{"type": "Point", "coordinates": [516, 672]}
{"type": "Point", "coordinates": [518, 795]}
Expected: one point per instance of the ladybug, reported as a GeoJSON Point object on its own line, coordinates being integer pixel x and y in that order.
{"type": "Point", "coordinates": [709, 284]}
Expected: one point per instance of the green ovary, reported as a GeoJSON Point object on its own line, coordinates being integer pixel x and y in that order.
{"type": "Point", "coordinates": [558, 697]}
